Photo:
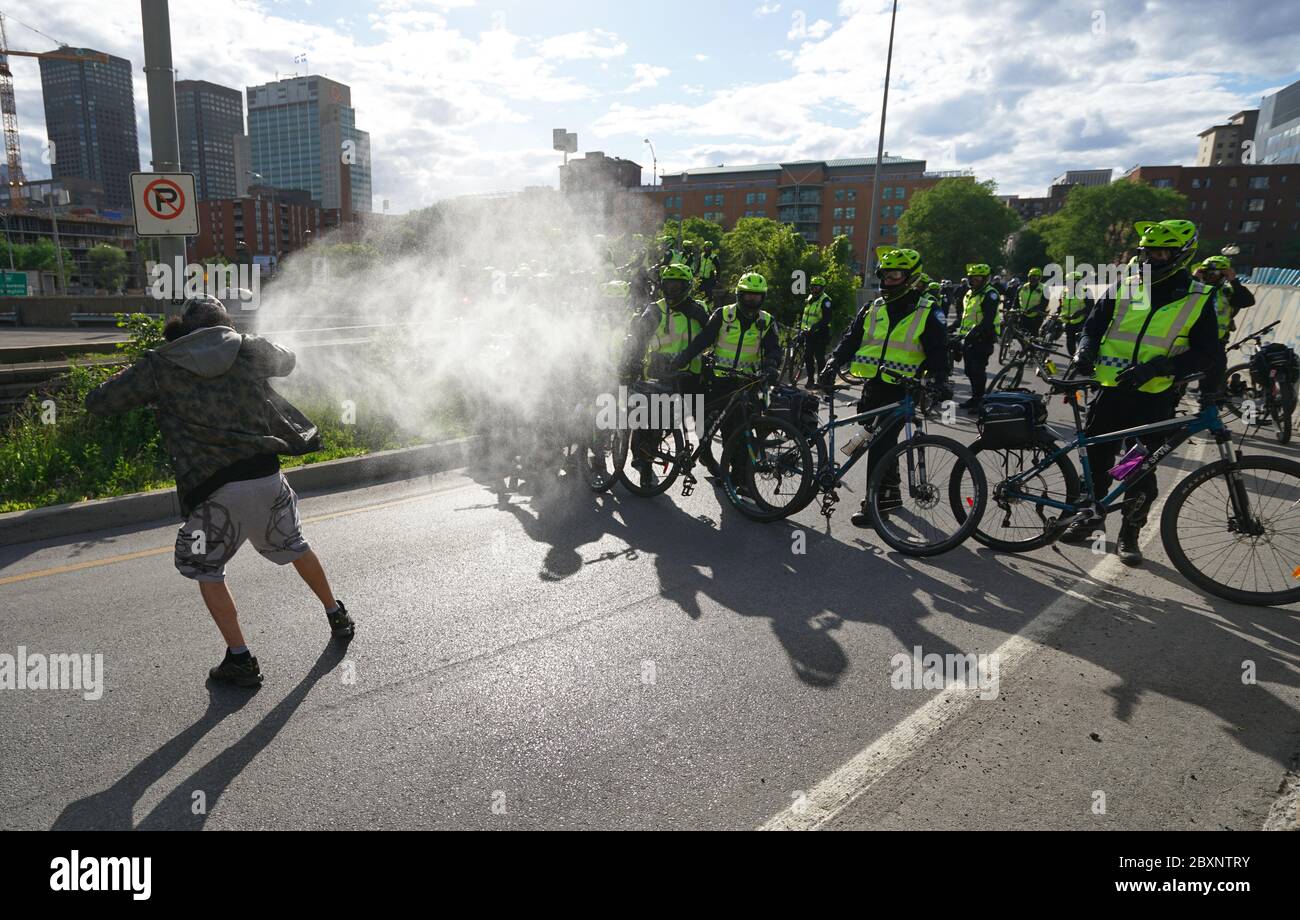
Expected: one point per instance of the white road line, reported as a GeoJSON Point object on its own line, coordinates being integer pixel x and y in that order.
{"type": "Point", "coordinates": [835, 793]}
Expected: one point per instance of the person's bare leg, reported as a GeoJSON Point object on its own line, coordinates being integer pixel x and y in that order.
{"type": "Point", "coordinates": [313, 574]}
{"type": "Point", "coordinates": [222, 607]}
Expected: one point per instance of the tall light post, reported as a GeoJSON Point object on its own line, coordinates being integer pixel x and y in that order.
{"type": "Point", "coordinates": [654, 170]}
{"type": "Point", "coordinates": [880, 151]}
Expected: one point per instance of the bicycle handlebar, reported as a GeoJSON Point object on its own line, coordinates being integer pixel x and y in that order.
{"type": "Point", "coordinates": [1254, 336]}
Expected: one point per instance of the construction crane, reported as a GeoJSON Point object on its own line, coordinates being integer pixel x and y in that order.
{"type": "Point", "coordinates": [9, 109]}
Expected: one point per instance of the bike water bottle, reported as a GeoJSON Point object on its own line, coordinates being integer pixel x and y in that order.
{"type": "Point", "coordinates": [1129, 463]}
{"type": "Point", "coordinates": [855, 443]}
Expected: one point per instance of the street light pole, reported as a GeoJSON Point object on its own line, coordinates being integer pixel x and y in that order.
{"type": "Point", "coordinates": [58, 250]}
{"type": "Point", "coordinates": [655, 160]}
{"type": "Point", "coordinates": [880, 151]}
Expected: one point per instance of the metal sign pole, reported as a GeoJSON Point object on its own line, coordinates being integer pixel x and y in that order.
{"type": "Point", "coordinates": [160, 81]}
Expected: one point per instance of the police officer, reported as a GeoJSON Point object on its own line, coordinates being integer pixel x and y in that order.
{"type": "Point", "coordinates": [1229, 300]}
{"type": "Point", "coordinates": [1073, 309]}
{"type": "Point", "coordinates": [815, 326]}
{"type": "Point", "coordinates": [979, 311]}
{"type": "Point", "coordinates": [1031, 300]}
{"type": "Point", "coordinates": [1141, 336]}
{"type": "Point", "coordinates": [658, 336]}
{"type": "Point", "coordinates": [897, 332]}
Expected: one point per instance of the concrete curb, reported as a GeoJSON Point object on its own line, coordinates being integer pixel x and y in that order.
{"type": "Point", "coordinates": [162, 506]}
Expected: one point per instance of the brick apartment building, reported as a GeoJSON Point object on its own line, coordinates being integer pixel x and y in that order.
{"type": "Point", "coordinates": [269, 222]}
{"type": "Point", "coordinates": [823, 199]}
{"type": "Point", "coordinates": [1254, 207]}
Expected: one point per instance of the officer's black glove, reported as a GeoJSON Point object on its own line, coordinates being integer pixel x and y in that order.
{"type": "Point", "coordinates": [1084, 364]}
{"type": "Point", "coordinates": [1135, 377]}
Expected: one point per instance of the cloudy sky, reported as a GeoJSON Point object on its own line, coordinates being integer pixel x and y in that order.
{"type": "Point", "coordinates": [461, 96]}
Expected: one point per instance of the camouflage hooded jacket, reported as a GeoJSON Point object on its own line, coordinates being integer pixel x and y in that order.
{"type": "Point", "coordinates": [209, 391]}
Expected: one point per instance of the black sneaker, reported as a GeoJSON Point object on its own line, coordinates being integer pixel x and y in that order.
{"type": "Point", "coordinates": [860, 518]}
{"type": "Point", "coordinates": [1129, 552]}
{"type": "Point", "coordinates": [242, 671]}
{"type": "Point", "coordinates": [341, 625]}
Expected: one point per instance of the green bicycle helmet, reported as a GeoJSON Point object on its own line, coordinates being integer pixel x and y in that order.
{"type": "Point", "coordinates": [1179, 235]}
{"type": "Point", "coordinates": [818, 281]}
{"type": "Point", "coordinates": [751, 283]}
{"type": "Point", "coordinates": [978, 268]}
{"type": "Point", "coordinates": [1217, 263]}
{"type": "Point", "coordinates": [677, 272]}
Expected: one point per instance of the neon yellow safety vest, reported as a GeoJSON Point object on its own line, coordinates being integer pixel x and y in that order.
{"type": "Point", "coordinates": [814, 310]}
{"type": "Point", "coordinates": [897, 349]}
{"type": "Point", "coordinates": [1223, 310]}
{"type": "Point", "coordinates": [1031, 300]}
{"type": "Point", "coordinates": [707, 268]}
{"type": "Point", "coordinates": [737, 351]}
{"type": "Point", "coordinates": [674, 334]}
{"type": "Point", "coordinates": [972, 310]}
{"type": "Point", "coordinates": [1072, 309]}
{"type": "Point", "coordinates": [1138, 333]}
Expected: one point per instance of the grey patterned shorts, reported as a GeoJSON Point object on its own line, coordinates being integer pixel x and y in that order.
{"type": "Point", "coordinates": [263, 511]}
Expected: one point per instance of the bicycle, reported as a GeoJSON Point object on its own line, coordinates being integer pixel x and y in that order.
{"type": "Point", "coordinates": [909, 530]}
{"type": "Point", "coordinates": [764, 452]}
{"type": "Point", "coordinates": [1009, 334]}
{"type": "Point", "coordinates": [794, 345]}
{"type": "Point", "coordinates": [1263, 389]}
{"type": "Point", "coordinates": [1219, 508]}
{"type": "Point", "coordinates": [1039, 353]}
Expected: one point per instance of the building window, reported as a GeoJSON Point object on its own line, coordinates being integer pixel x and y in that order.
{"type": "Point", "coordinates": [886, 193]}
{"type": "Point", "coordinates": [1254, 204]}
{"type": "Point", "coordinates": [1200, 183]}
{"type": "Point", "coordinates": [1249, 226]}
{"type": "Point", "coordinates": [886, 230]}
{"type": "Point", "coordinates": [749, 198]}
{"type": "Point", "coordinates": [762, 197]}
{"type": "Point", "coordinates": [850, 213]}
{"type": "Point", "coordinates": [853, 194]}
{"type": "Point", "coordinates": [1232, 182]}
{"type": "Point", "coordinates": [848, 230]}
{"type": "Point", "coordinates": [839, 194]}
{"type": "Point", "coordinates": [837, 214]}
{"type": "Point", "coordinates": [1259, 181]}
{"type": "Point", "coordinates": [900, 193]}
{"type": "Point", "coordinates": [1163, 183]}
{"type": "Point", "coordinates": [835, 231]}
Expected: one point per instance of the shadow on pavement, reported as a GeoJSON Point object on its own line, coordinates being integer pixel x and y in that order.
{"type": "Point", "coordinates": [112, 809]}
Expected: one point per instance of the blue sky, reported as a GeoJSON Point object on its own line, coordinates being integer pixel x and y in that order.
{"type": "Point", "coordinates": [460, 97]}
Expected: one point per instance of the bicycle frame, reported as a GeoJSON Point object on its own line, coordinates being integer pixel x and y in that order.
{"type": "Point", "coordinates": [833, 473]}
{"type": "Point", "coordinates": [1186, 426]}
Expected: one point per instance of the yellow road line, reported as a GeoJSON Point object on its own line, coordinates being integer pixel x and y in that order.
{"type": "Point", "coordinates": [162, 551]}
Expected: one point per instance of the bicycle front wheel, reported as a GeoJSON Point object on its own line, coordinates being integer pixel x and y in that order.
{"type": "Point", "coordinates": [767, 469]}
{"type": "Point", "coordinates": [1245, 551]}
{"type": "Point", "coordinates": [916, 517]}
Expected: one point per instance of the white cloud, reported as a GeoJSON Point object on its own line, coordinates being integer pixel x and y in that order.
{"type": "Point", "coordinates": [647, 77]}
{"type": "Point", "coordinates": [767, 9]}
{"type": "Point", "coordinates": [701, 57]}
{"type": "Point", "coordinates": [573, 46]}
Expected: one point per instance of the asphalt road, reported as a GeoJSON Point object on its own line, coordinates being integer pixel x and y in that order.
{"type": "Point", "coordinates": [563, 660]}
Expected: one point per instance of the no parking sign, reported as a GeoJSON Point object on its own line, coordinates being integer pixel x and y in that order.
{"type": "Point", "coordinates": [164, 204]}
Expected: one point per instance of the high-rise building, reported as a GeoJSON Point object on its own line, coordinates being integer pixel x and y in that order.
{"type": "Point", "coordinates": [1228, 145]}
{"type": "Point", "coordinates": [1277, 136]}
{"type": "Point", "coordinates": [208, 119]}
{"type": "Point", "coordinates": [302, 134]}
{"type": "Point", "coordinates": [1084, 177]}
{"type": "Point", "coordinates": [90, 121]}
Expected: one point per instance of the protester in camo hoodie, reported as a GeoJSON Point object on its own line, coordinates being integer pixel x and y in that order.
{"type": "Point", "coordinates": [207, 385]}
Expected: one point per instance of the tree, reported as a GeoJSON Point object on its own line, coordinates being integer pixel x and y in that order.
{"type": "Point", "coordinates": [1028, 249]}
{"type": "Point", "coordinates": [776, 252]}
{"type": "Point", "coordinates": [954, 223]}
{"type": "Point", "coordinates": [107, 267]}
{"type": "Point", "coordinates": [695, 230]}
{"type": "Point", "coordinates": [1096, 224]}
{"type": "Point", "coordinates": [40, 256]}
